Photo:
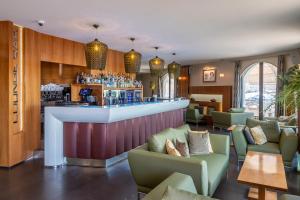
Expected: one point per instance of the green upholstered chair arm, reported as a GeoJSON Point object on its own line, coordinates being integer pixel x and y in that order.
{"type": "Point", "coordinates": [288, 144]}
{"type": "Point", "coordinates": [176, 180]}
{"type": "Point", "coordinates": [220, 144]}
{"type": "Point", "coordinates": [239, 140]}
{"type": "Point", "coordinates": [150, 168]}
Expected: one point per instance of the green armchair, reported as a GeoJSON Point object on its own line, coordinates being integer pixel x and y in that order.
{"type": "Point", "coordinates": [223, 120]}
{"type": "Point", "coordinates": [193, 115]}
{"type": "Point", "coordinates": [150, 168]}
{"type": "Point", "coordinates": [280, 141]}
{"type": "Point", "coordinates": [178, 181]}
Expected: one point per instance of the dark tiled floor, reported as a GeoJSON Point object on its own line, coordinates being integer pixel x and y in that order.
{"type": "Point", "coordinates": [30, 180]}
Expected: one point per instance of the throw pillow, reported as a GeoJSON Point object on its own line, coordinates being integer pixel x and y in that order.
{"type": "Point", "coordinates": [199, 142]}
{"type": "Point", "coordinates": [171, 149]}
{"type": "Point", "coordinates": [183, 148]}
{"type": "Point", "coordinates": [172, 193]}
{"type": "Point", "coordinates": [248, 136]}
{"type": "Point", "coordinates": [258, 135]}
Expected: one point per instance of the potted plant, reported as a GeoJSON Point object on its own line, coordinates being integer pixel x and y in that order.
{"type": "Point", "coordinates": [290, 97]}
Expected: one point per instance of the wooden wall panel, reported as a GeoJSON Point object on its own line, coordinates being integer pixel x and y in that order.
{"type": "Point", "coordinates": [226, 91]}
{"type": "Point", "coordinates": [58, 50]}
{"type": "Point", "coordinates": [183, 82]}
{"type": "Point", "coordinates": [50, 73]}
{"type": "Point", "coordinates": [46, 41]}
{"type": "Point", "coordinates": [32, 82]}
{"type": "Point", "coordinates": [68, 52]}
{"type": "Point", "coordinates": [79, 54]}
{"type": "Point", "coordinates": [6, 28]}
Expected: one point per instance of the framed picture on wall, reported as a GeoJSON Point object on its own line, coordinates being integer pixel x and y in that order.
{"type": "Point", "coordinates": [209, 75]}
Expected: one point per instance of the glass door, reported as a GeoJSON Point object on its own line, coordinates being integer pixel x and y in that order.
{"type": "Point", "coordinates": [259, 89]}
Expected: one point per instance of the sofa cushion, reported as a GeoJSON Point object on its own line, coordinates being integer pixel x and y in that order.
{"type": "Point", "coordinates": [270, 128]}
{"type": "Point", "coordinates": [157, 141]}
{"type": "Point", "coordinates": [184, 128]}
{"type": "Point", "coordinates": [258, 135]}
{"type": "Point", "coordinates": [216, 167]}
{"type": "Point", "coordinates": [248, 136]}
{"type": "Point", "coordinates": [171, 148]}
{"type": "Point", "coordinates": [199, 142]}
{"type": "Point", "coordinates": [268, 147]}
{"type": "Point", "coordinates": [183, 148]}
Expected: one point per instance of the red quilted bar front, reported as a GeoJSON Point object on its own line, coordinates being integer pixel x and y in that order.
{"type": "Point", "coordinates": [104, 141]}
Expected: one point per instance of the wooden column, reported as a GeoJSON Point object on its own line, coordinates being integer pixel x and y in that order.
{"type": "Point", "coordinates": [11, 99]}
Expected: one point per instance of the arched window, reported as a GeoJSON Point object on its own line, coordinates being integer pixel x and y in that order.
{"type": "Point", "coordinates": [259, 89]}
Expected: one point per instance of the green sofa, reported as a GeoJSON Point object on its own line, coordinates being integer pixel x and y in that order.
{"type": "Point", "coordinates": [150, 168]}
{"type": "Point", "coordinates": [280, 141]}
{"type": "Point", "coordinates": [224, 120]}
{"type": "Point", "coordinates": [178, 181]}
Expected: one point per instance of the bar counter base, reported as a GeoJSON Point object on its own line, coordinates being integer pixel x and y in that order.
{"type": "Point", "coordinates": [98, 134]}
{"type": "Point", "coordinates": [95, 162]}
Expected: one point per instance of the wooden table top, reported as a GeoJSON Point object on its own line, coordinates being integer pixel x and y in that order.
{"type": "Point", "coordinates": [263, 169]}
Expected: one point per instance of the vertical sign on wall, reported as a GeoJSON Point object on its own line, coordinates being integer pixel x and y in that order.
{"type": "Point", "coordinates": [16, 74]}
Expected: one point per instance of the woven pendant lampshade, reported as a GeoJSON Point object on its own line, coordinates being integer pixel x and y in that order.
{"type": "Point", "coordinates": [174, 68]}
{"type": "Point", "coordinates": [156, 64]}
{"type": "Point", "coordinates": [96, 53]}
{"type": "Point", "coordinates": [132, 60]}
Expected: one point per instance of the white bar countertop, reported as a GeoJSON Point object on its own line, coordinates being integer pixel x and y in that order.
{"type": "Point", "coordinates": [55, 116]}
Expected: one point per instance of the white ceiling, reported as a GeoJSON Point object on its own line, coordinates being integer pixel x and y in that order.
{"type": "Point", "coordinates": [196, 30]}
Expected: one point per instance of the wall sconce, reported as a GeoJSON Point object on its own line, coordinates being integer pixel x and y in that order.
{"type": "Point", "coordinates": [182, 78]}
{"type": "Point", "coordinates": [221, 75]}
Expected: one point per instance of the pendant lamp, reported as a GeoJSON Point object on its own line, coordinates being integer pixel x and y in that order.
{"type": "Point", "coordinates": [96, 53]}
{"type": "Point", "coordinates": [156, 64]}
{"type": "Point", "coordinates": [132, 60]}
{"type": "Point", "coordinates": [174, 73]}
{"type": "Point", "coordinates": [174, 68]}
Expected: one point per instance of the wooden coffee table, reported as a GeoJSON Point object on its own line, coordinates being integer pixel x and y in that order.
{"type": "Point", "coordinates": [263, 171]}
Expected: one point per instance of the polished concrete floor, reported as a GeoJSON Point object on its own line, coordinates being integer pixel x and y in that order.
{"type": "Point", "coordinates": [31, 180]}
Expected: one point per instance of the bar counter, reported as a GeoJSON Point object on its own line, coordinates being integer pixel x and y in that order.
{"type": "Point", "coordinates": [99, 135]}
